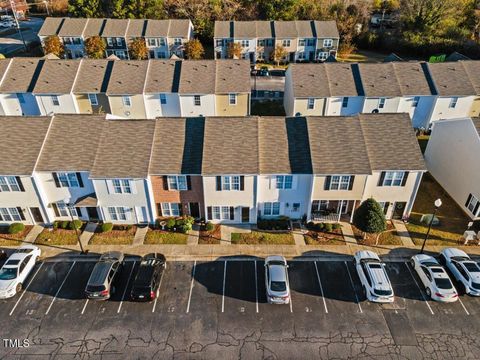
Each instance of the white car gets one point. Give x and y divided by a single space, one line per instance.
276 280
438 285
16 269
374 278
464 269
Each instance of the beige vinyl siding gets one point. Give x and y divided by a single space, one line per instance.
135 111
475 110
356 193
223 108
85 107
293 44
301 106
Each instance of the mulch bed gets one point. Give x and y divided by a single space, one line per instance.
335 237
389 237
211 237
57 237
114 237
13 239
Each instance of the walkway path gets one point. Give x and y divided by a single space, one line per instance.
403 233
227 230
348 233
298 237
32 235
193 235
88 233
140 235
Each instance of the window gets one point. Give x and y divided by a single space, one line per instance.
225 212
163 99
68 180
170 209
311 103
177 41
21 98
301 56
127 101
196 100
118 213
322 56
415 101
77 41
393 178
340 182
261 55
110 42
162 55
177 182
161 42
230 183
286 43
152 42
216 212
55 101
245 43
284 182
381 103
9 183
62 209
121 186
67 40
453 103
472 204
295 207
301 42
119 41
232 99
261 42
93 99
311 42
271 208
345 102
10 214
328 43
219 42
121 54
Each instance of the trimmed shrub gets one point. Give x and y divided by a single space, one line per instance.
209 226
128 227
328 227
310 225
15 228
273 224
75 224
185 224
171 223
337 226
319 227
106 227
64 224
55 225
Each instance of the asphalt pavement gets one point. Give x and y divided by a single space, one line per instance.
11 43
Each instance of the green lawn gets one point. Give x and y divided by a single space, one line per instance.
453 221
57 237
163 237
263 238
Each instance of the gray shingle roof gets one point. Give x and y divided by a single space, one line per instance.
451 79
285 29
127 77
21 75
157 28
337 146
124 149
3 67
327 29
178 146
81 132
161 75
56 77
115 28
94 27
230 146
397 151
305 28
72 27
412 77
197 77
379 80
50 26
476 123
136 28
92 76
245 29
21 148
179 28
265 29
473 70
232 76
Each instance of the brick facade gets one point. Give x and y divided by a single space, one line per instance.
195 195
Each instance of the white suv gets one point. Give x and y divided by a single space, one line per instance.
374 278
464 269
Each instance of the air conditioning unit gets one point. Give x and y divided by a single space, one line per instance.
375 111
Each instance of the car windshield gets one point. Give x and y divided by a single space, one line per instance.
95 288
382 292
278 286
8 273
437 270
444 284
471 267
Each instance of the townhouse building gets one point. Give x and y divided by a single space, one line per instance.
304 40
135 171
163 38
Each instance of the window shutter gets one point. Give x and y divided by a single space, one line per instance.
55 209
242 183
468 199
476 209
20 184
405 177
165 182
79 211
55 178
79 178
209 213
218 183
385 209
180 209
382 177
1 218
326 184
352 179
20 211
232 213
189 182
159 209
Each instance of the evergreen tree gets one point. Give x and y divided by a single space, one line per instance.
369 218
85 8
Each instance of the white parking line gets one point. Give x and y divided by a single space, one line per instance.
419 289
126 287
60 288
353 287
84 306
223 292
464 308
290 302
159 287
191 285
25 290
321 288
256 287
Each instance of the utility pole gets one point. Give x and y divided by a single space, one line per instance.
14 11
46 6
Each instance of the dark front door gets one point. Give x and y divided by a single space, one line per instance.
245 214
37 215
194 210
252 57
292 57
92 213
398 210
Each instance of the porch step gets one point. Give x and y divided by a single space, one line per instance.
32 235
87 233
140 235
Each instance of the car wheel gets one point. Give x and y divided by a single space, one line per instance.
428 291
18 288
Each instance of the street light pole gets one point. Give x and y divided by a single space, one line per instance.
14 11
438 203
46 6
75 227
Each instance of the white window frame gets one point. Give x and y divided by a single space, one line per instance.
109 41
322 55
127 100
55 100
170 209
197 100
310 103
163 98
286 42
283 182
302 42
301 55
271 208
245 43
472 204
327 43
393 178
9 183
93 99
231 183
453 102
177 182
152 42
415 101
381 103
345 100
68 180
119 41
122 186
340 182
10 214
118 213
177 41
232 97
216 213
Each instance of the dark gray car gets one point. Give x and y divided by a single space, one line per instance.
100 284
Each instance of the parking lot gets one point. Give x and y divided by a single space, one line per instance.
213 309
